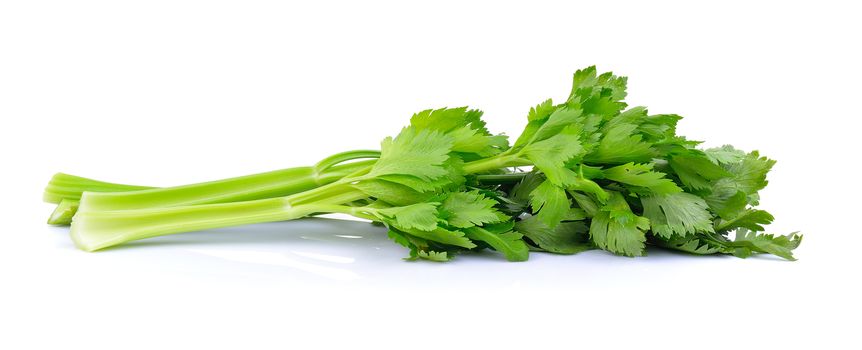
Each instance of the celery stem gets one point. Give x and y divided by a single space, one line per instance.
101 229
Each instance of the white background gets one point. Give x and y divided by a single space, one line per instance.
171 92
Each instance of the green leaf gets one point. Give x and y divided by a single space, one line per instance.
611 235
642 175
421 216
550 202
589 206
527 135
465 127
473 117
541 111
598 94
442 120
584 185
634 116
552 154
696 170
690 244
616 229
749 175
778 245
452 180
403 240
434 256
618 208
564 238
444 236
744 245
582 83
469 140
575 214
413 182
467 209
559 120
418 154
730 195
621 145
653 128
392 193
521 191
659 127
542 129
518 198
681 214
724 155
751 219
508 242
727 203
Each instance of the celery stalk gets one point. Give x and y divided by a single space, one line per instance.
94 230
69 187
66 189
266 185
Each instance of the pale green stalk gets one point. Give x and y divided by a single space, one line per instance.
66 189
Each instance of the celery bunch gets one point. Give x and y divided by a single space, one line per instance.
586 173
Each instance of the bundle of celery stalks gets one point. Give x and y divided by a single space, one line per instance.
587 173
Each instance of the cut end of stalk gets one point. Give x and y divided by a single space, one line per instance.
89 240
94 231
82 243
79 236
63 213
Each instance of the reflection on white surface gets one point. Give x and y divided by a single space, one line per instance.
328 253
276 259
326 257
348 236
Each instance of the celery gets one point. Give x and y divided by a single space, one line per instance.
604 176
66 189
